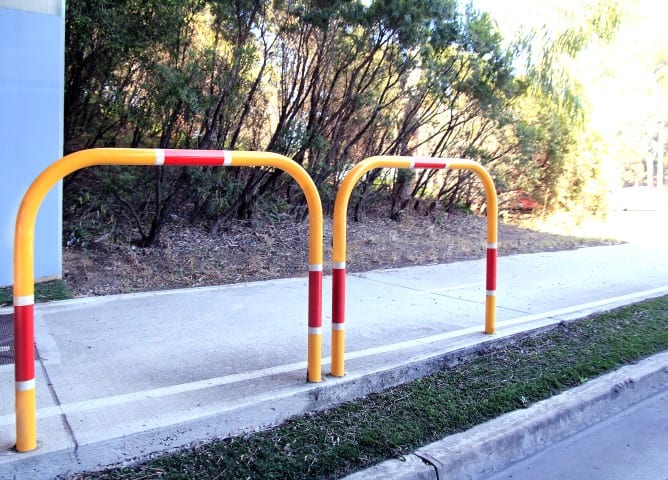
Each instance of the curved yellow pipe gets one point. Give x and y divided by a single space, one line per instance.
27 213
343 198
340 227
24 239
296 171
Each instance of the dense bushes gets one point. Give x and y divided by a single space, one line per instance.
325 83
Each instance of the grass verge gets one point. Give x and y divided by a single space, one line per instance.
44 292
395 422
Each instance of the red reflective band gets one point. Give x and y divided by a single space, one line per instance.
209 158
24 343
338 295
430 163
315 299
491 269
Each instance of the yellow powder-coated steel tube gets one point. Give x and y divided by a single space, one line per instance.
26 421
25 220
267 159
343 197
339 239
490 314
338 353
26 424
490 194
492 232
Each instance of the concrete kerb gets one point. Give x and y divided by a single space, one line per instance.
495 445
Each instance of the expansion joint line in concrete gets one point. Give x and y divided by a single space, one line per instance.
433 461
418 290
56 399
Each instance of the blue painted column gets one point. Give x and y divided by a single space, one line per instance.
32 59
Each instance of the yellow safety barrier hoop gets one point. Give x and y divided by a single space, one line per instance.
24 240
339 240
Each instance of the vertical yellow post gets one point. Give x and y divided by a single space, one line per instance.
339 252
314 355
24 281
492 235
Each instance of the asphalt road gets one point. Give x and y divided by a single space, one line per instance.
631 445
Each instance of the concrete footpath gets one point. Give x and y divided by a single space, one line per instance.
124 377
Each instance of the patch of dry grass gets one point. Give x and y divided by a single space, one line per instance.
188 256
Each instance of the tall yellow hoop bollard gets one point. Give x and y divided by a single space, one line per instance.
24 240
339 240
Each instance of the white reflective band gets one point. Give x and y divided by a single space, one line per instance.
227 158
412 164
491 245
338 326
24 300
339 265
159 156
491 293
316 267
25 386
314 330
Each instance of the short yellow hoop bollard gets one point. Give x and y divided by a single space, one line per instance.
339 240
24 282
